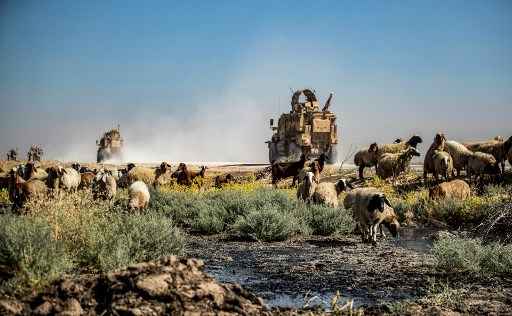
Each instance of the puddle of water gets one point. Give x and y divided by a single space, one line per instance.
297 301
415 239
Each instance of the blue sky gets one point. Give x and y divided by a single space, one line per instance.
199 80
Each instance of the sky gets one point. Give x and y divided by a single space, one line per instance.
199 80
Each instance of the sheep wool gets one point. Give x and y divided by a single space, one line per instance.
443 164
455 189
139 195
459 153
144 174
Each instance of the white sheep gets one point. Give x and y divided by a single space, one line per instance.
327 193
67 178
371 208
391 165
139 195
306 187
443 164
482 163
496 147
459 153
105 185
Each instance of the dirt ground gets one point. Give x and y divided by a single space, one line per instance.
308 272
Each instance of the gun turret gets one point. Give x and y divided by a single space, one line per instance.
328 102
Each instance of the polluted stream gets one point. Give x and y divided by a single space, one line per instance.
308 272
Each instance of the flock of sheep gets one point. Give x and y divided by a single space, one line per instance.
370 207
30 181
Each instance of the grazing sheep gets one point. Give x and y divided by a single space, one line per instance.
21 191
370 157
327 193
307 186
428 164
496 147
455 189
86 180
33 171
66 178
399 147
139 195
459 153
162 174
186 177
366 158
391 165
283 170
480 164
105 186
144 174
222 179
76 166
371 208
443 164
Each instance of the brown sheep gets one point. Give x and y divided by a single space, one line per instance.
496 147
510 156
86 180
428 164
455 189
222 179
186 177
21 191
283 170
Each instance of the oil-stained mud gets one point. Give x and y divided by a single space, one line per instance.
311 270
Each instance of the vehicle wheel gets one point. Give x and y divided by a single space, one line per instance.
272 152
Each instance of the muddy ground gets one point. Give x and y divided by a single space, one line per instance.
309 272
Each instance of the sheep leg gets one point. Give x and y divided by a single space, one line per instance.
361 172
382 232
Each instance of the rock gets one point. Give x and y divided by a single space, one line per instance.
155 285
71 308
10 307
169 286
44 309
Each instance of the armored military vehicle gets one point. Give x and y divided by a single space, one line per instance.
306 129
110 146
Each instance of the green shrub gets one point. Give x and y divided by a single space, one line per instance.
121 240
267 225
211 220
328 221
27 246
471 255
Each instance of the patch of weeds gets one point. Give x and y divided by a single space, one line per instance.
28 248
269 224
471 255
